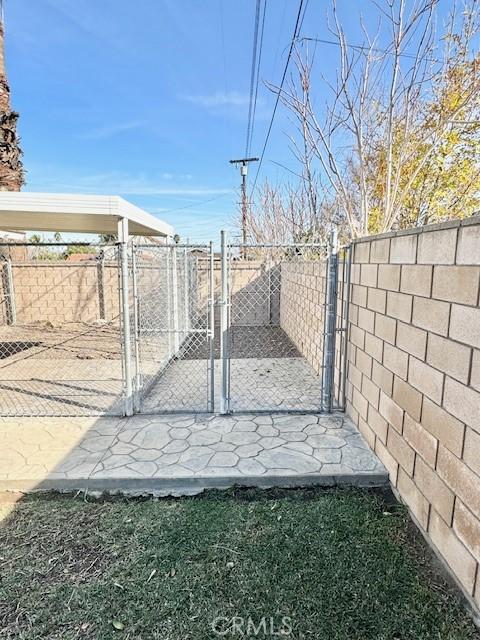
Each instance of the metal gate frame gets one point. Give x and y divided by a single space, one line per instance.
334 336
333 326
175 331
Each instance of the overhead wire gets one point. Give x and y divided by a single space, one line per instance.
252 73
259 62
298 22
359 47
303 17
196 204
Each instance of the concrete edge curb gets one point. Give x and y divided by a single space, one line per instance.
191 486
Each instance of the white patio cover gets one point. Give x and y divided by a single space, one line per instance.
67 212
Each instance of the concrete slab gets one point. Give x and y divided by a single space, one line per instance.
76 370
256 384
179 455
69 370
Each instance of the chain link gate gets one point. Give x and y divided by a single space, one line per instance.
61 348
283 327
173 327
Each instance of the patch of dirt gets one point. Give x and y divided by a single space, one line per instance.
57 552
73 340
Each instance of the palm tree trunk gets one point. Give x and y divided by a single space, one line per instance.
11 167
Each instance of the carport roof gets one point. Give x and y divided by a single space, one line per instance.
29 211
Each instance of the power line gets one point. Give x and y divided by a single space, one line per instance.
303 17
359 47
259 61
195 204
294 37
252 73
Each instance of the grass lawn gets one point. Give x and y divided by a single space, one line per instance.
335 565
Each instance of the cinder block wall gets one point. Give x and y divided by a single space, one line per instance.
414 378
254 290
62 293
302 313
302 300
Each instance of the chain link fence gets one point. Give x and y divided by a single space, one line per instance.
110 329
173 327
276 327
60 345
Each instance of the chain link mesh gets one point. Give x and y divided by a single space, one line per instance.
60 349
173 338
276 327
61 345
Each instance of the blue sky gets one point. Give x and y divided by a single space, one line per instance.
149 99
145 99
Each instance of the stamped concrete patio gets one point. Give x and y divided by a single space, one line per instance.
183 454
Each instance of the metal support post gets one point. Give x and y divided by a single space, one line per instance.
120 314
136 331
11 308
269 276
176 335
346 315
211 332
169 304
186 292
330 324
224 355
125 313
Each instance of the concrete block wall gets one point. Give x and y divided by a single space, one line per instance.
302 302
255 293
302 309
414 378
62 293
254 290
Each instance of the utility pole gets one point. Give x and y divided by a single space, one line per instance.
243 162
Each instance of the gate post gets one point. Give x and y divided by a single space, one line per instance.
346 314
11 307
176 333
186 292
169 307
224 355
125 314
330 324
136 330
211 330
